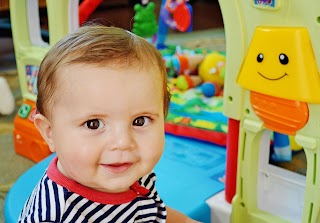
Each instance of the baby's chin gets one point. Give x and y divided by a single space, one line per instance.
113 184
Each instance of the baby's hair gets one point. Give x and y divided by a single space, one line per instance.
99 46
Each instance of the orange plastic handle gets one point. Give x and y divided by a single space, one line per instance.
278 114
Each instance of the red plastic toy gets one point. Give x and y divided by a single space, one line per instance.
86 8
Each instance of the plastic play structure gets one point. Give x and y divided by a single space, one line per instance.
272 83
29 50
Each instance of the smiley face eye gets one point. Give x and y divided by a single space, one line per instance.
260 57
283 59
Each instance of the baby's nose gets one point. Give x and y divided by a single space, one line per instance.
122 139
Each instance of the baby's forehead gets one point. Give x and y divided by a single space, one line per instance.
149 66
67 75
96 79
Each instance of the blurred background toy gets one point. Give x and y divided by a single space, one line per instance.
210 89
185 82
212 71
212 68
7 102
281 148
86 8
186 63
176 15
169 65
294 145
144 21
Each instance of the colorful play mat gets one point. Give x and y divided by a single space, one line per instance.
193 115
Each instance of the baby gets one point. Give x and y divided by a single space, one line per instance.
102 101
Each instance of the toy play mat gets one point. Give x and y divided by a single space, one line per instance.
193 115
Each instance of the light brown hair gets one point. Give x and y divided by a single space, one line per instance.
96 45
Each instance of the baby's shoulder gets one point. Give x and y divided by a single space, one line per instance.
148 180
45 201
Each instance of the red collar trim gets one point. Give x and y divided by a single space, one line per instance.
97 196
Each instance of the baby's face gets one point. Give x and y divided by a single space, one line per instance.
108 126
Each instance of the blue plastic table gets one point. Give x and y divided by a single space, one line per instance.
187 175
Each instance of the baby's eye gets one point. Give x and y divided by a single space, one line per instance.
94 124
141 121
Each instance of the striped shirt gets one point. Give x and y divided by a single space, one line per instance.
59 199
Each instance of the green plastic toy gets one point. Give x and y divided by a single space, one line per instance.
145 23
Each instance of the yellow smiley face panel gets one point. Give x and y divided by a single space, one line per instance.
281 63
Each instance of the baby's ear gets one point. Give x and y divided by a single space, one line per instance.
44 127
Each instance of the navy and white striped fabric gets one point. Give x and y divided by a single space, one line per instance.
52 202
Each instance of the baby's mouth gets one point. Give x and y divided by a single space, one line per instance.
117 168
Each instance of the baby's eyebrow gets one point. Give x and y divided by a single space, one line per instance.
88 116
146 112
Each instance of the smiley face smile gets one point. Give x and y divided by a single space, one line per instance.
273 79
